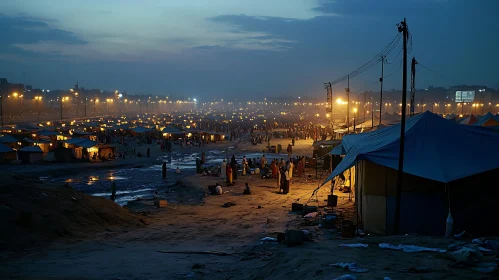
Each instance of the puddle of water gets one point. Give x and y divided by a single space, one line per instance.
141 182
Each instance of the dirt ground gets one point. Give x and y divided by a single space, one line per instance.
201 223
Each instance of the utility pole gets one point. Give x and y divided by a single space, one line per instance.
356 110
1 107
61 107
413 84
402 27
372 112
383 58
329 99
348 104
365 103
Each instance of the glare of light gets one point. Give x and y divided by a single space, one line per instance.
355 110
15 94
120 95
195 100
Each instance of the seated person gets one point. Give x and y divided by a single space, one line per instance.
219 190
247 189
215 189
177 171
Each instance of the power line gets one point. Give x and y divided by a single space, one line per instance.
395 57
395 72
374 61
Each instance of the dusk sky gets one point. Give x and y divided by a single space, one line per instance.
250 48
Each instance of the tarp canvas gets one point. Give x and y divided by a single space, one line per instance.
433 149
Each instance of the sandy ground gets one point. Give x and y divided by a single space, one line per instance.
203 224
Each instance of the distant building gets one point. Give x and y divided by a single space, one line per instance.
471 94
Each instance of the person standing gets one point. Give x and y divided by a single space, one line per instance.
282 176
163 169
278 177
273 167
229 174
286 183
263 161
291 167
234 169
113 191
300 167
223 170
289 150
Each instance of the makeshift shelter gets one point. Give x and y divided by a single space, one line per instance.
44 145
26 127
487 120
338 151
471 119
30 154
8 139
6 153
439 174
47 133
140 129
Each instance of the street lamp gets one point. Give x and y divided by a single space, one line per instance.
107 104
354 118
63 99
38 99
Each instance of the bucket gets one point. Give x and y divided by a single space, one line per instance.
329 220
347 229
296 207
294 237
332 200
309 209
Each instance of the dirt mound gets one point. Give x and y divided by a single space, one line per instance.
32 213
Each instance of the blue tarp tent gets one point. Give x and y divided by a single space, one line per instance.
487 120
74 141
7 139
435 148
171 130
140 129
338 151
47 133
5 148
444 163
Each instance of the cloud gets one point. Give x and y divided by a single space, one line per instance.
19 33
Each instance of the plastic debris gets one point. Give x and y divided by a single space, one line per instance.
311 215
478 241
485 267
492 244
352 266
410 248
346 277
462 234
355 245
271 239
466 255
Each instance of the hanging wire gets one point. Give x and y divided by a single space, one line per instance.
373 62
